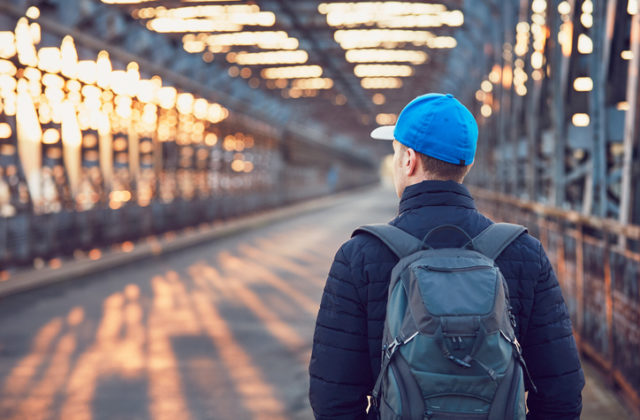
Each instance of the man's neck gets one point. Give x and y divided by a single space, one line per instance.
428 176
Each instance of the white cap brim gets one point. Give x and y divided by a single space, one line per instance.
383 133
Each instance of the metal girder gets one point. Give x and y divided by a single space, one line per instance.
347 81
140 42
631 125
559 118
603 34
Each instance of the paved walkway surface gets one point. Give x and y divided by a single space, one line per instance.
221 330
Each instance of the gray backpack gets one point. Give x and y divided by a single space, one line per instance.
449 348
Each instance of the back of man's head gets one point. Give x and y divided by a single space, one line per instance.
436 169
441 131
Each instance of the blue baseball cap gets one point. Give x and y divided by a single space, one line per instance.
435 125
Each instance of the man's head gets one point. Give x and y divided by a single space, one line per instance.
434 139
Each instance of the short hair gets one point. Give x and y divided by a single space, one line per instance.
441 169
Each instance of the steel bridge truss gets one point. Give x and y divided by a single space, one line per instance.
559 105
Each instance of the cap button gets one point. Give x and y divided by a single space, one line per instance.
448 95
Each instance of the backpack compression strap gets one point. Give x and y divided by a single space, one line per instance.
398 241
494 239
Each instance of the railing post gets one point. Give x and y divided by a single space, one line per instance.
608 293
579 281
543 229
561 269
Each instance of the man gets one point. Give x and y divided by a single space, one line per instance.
434 143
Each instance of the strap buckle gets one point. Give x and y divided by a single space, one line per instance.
520 358
391 348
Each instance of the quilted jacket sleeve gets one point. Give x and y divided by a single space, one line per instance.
550 352
340 371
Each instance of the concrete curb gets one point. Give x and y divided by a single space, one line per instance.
73 269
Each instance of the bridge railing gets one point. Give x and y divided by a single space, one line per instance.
599 272
30 239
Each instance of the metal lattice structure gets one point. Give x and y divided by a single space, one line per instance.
550 78
560 115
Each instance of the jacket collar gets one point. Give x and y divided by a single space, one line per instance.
435 193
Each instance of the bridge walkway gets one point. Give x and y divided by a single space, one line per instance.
220 330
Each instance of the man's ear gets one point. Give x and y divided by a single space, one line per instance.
412 162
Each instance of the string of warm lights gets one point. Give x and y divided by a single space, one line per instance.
313 83
381 82
383 56
83 126
521 48
211 29
383 70
386 118
382 7
585 46
292 72
237 12
378 32
390 14
272 40
372 17
534 35
565 34
530 39
270 57
129 1
370 32
204 18
539 32
390 38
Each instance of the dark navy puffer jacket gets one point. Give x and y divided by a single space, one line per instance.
347 344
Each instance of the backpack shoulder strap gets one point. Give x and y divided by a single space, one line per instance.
494 239
396 239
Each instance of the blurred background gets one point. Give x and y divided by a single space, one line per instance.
126 126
